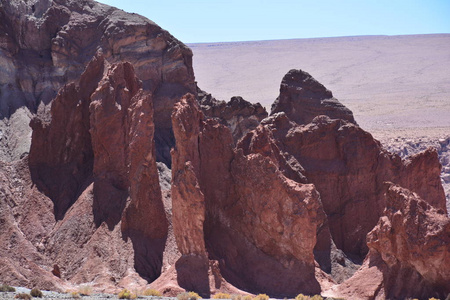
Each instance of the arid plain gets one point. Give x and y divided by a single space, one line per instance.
395 85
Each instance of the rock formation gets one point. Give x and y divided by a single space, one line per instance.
282 205
409 252
405 147
348 168
96 160
239 115
222 218
46 44
302 98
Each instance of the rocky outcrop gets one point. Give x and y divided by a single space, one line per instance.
409 252
214 189
25 219
293 201
101 176
406 147
46 44
302 98
239 115
348 168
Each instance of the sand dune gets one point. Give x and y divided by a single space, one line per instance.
395 85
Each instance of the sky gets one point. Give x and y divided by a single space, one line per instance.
200 21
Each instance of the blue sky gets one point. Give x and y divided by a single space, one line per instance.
246 20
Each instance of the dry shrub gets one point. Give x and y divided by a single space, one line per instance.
261 297
152 292
222 296
7 288
85 290
35 292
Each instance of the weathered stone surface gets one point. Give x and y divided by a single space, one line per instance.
90 208
413 236
239 115
348 168
235 203
303 98
405 147
61 156
409 252
46 44
26 217
113 210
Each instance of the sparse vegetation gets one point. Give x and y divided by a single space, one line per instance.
304 297
247 297
35 292
261 297
222 296
84 290
23 296
124 294
75 295
188 296
152 292
7 288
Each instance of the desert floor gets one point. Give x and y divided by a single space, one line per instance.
395 85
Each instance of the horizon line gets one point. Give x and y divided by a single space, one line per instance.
321 37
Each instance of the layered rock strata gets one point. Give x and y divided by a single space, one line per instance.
46 44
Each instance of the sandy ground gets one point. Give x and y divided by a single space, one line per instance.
395 85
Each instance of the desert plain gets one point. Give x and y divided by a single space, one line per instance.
395 85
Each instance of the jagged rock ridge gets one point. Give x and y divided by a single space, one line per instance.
101 175
214 185
297 194
239 115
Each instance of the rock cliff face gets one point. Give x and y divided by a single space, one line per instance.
214 186
409 252
405 147
102 176
302 98
46 44
348 168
